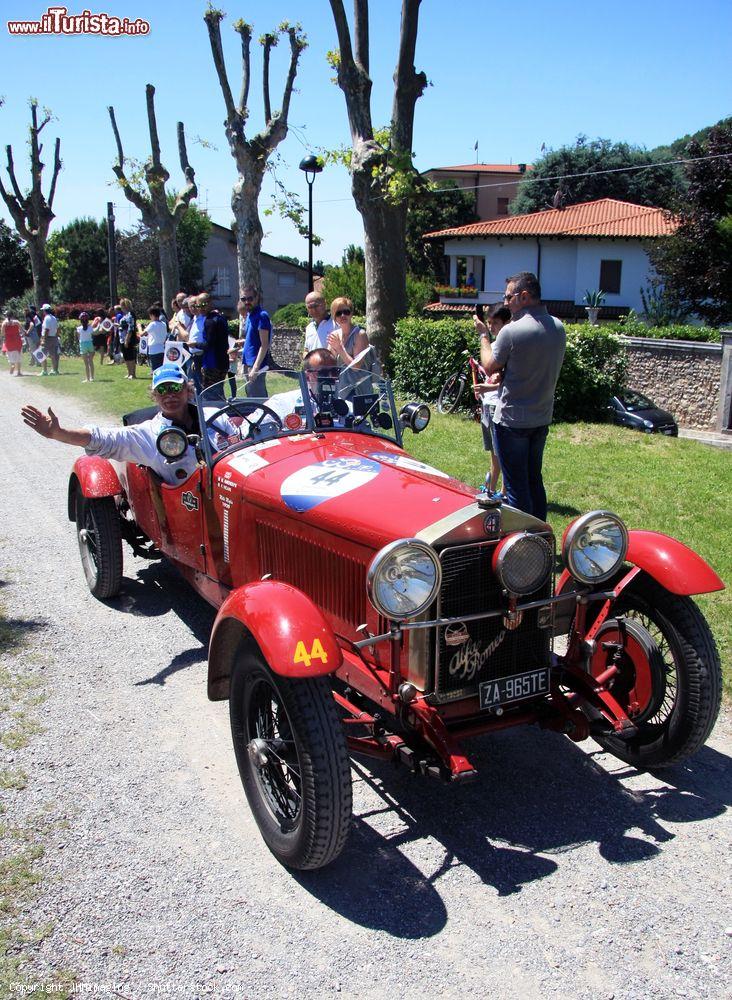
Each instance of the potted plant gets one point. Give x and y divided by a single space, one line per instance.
593 301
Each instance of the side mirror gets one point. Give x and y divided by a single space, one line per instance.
415 416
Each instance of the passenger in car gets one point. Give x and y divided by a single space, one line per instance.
317 365
173 396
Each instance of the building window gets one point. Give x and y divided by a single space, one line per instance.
502 206
222 283
285 279
610 271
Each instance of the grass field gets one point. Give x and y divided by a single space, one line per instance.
676 486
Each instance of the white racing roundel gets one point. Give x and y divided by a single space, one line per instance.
333 477
404 462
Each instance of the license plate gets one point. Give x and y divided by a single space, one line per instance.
515 688
668 430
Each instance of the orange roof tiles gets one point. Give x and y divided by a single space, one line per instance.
604 217
483 168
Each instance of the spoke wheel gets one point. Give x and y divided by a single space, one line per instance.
670 681
292 759
451 392
100 545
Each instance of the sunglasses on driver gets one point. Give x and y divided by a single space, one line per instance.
170 387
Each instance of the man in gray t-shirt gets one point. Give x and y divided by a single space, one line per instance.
530 350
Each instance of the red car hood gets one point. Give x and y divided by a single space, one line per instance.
363 488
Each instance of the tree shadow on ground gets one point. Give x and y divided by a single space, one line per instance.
13 631
537 794
563 509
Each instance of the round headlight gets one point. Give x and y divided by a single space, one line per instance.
403 579
172 443
523 563
595 546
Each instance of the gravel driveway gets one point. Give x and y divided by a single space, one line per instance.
560 872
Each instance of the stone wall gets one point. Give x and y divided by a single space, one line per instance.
287 347
682 377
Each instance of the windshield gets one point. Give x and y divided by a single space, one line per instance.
632 400
328 400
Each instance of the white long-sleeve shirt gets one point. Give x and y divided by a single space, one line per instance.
138 444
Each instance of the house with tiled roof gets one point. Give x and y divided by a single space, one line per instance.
599 244
493 185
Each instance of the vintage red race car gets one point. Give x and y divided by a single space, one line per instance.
371 604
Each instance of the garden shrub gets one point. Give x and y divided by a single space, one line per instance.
593 371
294 315
426 351
633 326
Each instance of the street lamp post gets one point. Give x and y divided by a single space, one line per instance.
311 166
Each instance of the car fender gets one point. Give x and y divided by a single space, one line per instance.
671 563
293 635
94 478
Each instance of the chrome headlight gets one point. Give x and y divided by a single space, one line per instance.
523 563
172 443
594 546
403 579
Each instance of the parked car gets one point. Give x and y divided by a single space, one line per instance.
371 604
633 409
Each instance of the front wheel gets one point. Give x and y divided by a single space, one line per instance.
100 545
292 759
452 390
670 679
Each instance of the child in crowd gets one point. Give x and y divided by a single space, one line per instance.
85 332
156 333
488 393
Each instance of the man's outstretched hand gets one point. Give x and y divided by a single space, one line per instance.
44 425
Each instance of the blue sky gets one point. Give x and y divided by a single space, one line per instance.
643 72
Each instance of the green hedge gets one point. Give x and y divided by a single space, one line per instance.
631 326
425 352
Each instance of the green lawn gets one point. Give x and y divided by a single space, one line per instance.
679 487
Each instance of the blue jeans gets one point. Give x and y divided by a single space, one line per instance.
258 386
520 451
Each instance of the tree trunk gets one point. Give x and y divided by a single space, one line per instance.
168 250
41 271
249 233
386 271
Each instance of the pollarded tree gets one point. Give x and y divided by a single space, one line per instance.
160 218
32 212
380 163
251 155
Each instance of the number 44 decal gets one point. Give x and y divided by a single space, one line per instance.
316 653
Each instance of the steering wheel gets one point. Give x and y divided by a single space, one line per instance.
245 408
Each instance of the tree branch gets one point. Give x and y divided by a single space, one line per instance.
244 31
267 42
131 194
153 126
15 211
297 44
213 20
353 79
56 170
361 31
11 174
190 191
408 84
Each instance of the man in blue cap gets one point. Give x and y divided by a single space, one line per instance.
173 396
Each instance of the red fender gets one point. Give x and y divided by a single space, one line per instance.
95 477
671 563
294 637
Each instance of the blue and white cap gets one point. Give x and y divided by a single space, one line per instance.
168 373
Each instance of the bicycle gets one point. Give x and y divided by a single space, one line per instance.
454 387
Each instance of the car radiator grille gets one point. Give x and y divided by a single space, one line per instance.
331 578
469 587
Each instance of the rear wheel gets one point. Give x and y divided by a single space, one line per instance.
292 759
451 392
670 679
100 545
